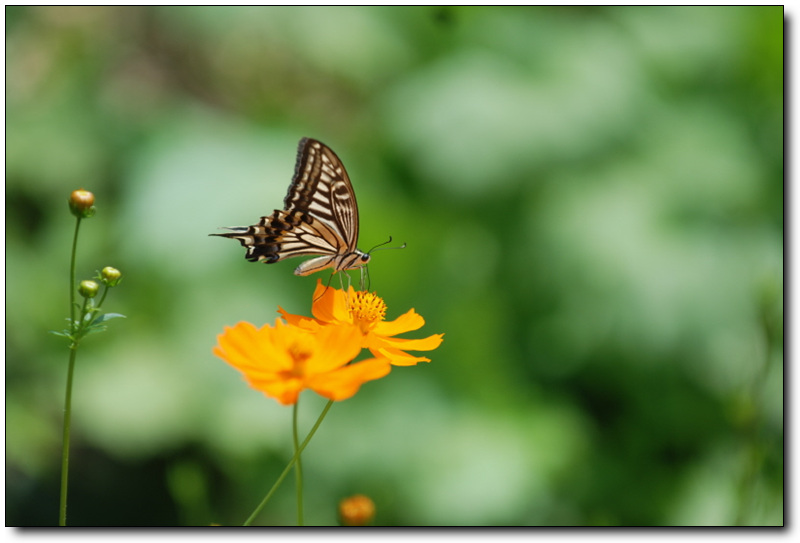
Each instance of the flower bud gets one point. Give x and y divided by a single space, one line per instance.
81 203
88 288
110 276
356 510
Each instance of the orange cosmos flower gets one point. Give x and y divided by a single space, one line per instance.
365 311
283 360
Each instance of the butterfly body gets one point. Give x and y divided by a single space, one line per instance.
320 217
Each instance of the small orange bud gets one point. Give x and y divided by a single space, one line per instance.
81 203
88 288
356 510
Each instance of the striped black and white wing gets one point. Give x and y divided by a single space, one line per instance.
320 217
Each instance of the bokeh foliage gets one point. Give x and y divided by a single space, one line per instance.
592 200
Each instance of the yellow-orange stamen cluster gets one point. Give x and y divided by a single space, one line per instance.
367 309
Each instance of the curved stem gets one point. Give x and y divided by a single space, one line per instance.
102 298
298 466
291 463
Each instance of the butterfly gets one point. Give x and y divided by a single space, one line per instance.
320 217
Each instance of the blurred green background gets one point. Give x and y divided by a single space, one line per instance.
592 200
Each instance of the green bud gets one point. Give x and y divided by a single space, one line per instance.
81 203
88 288
111 276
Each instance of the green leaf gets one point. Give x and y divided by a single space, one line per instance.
107 317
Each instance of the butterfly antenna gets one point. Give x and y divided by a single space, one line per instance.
365 278
379 247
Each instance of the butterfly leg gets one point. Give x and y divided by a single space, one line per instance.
365 282
328 284
341 281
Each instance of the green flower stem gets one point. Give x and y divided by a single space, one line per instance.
62 510
73 348
299 465
72 274
87 306
82 323
103 297
289 465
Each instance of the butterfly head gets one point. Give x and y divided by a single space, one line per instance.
356 259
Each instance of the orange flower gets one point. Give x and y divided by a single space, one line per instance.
365 311
283 360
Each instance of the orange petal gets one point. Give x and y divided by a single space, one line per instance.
240 346
289 317
425 344
298 320
397 357
337 344
286 391
404 323
329 305
343 383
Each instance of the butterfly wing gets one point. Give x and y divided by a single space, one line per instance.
320 217
321 189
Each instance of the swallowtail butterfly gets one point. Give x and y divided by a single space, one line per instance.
320 217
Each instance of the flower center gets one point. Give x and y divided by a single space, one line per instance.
367 310
300 352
